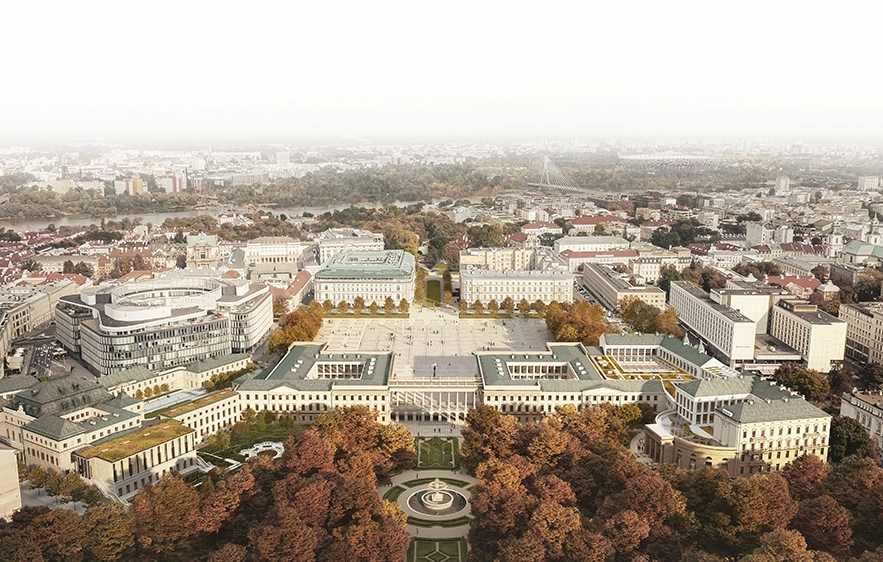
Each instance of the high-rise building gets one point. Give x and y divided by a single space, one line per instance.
783 183
132 186
866 183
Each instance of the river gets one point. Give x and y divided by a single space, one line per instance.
157 219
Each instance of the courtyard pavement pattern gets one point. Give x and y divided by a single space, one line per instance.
434 336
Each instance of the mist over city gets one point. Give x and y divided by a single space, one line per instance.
441 282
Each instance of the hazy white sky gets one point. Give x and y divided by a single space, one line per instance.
440 70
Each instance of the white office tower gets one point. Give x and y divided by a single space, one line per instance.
867 183
783 183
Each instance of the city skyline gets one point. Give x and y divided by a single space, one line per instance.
462 71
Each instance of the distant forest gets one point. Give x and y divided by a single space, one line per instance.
414 183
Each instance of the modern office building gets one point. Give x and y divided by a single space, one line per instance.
614 288
868 183
374 276
547 286
162 323
727 333
819 337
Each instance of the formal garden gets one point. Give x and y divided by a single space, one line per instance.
253 429
437 550
441 453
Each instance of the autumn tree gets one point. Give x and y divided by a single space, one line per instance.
809 383
110 531
493 306
805 476
487 433
451 254
848 437
523 306
389 306
358 305
824 524
581 321
478 307
60 534
404 306
342 307
872 376
327 306
373 308
166 515
647 319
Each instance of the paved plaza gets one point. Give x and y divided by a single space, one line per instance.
434 336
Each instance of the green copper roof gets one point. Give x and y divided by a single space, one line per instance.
296 370
389 264
776 410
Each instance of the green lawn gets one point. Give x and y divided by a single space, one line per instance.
273 432
437 453
485 315
445 524
437 550
434 295
422 481
393 493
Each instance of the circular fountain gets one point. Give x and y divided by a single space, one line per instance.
437 499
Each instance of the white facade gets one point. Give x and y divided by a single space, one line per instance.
614 288
338 240
867 409
277 251
591 243
496 259
729 332
866 183
864 331
547 286
374 276
819 337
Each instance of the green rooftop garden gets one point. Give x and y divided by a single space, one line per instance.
175 411
136 442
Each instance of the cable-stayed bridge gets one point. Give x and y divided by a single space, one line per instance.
554 178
